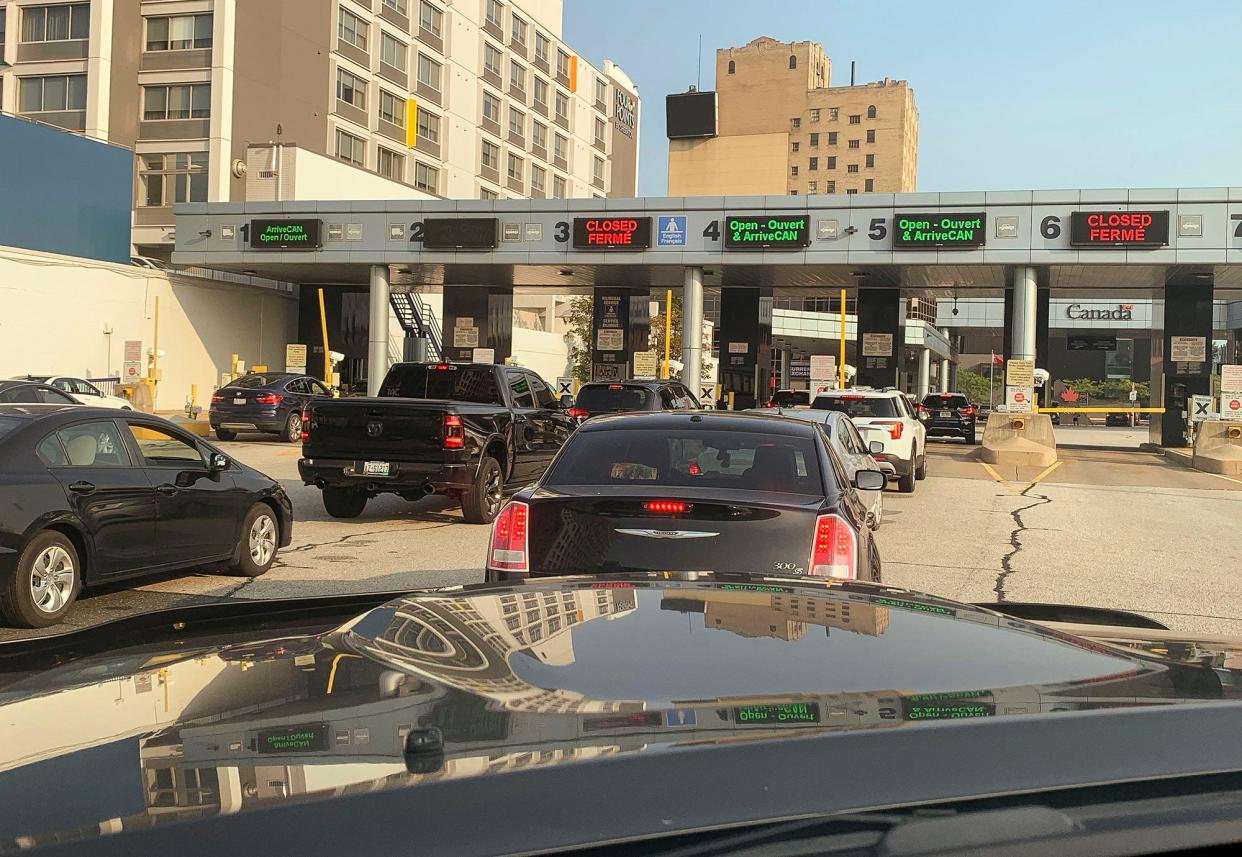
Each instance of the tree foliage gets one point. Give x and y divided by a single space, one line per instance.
581 318
973 386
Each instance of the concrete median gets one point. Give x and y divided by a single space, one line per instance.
1019 439
1218 448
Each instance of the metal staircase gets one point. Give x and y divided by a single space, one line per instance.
417 318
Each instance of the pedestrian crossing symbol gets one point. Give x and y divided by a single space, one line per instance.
672 231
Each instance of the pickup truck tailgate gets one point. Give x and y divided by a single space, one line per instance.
391 429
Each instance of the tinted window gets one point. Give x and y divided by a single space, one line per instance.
543 396
159 448
946 400
317 388
858 407
519 391
49 396
34 394
297 385
251 382
63 384
85 389
737 460
50 451
610 398
94 445
455 383
788 398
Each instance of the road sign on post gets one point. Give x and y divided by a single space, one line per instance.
823 371
1231 407
1020 373
1231 393
1201 409
1019 400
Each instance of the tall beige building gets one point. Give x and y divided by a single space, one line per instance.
782 128
455 98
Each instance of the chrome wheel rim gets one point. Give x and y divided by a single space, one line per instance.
51 579
494 492
262 540
294 428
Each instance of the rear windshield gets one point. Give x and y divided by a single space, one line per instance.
606 398
860 407
443 381
787 398
743 461
948 400
251 382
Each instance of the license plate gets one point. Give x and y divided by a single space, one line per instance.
376 468
946 414
239 401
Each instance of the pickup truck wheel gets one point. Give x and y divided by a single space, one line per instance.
482 502
344 502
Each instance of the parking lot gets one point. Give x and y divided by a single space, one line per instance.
1116 528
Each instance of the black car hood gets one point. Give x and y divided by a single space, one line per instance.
548 672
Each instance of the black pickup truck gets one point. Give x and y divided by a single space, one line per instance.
462 429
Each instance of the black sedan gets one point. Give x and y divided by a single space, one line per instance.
30 392
92 495
679 492
264 401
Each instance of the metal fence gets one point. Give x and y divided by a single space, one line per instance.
107 386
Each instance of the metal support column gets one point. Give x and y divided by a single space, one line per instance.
692 329
377 330
1025 314
924 383
944 376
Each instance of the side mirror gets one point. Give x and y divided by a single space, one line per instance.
219 461
869 480
875 447
567 401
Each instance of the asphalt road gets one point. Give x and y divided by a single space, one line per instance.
1124 529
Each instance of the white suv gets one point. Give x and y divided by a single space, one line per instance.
906 445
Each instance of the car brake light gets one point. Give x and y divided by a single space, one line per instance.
968 411
268 399
216 397
835 551
852 396
442 367
666 507
578 413
616 386
454 432
894 428
306 424
507 550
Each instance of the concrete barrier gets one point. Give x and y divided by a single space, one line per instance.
1020 439
1218 448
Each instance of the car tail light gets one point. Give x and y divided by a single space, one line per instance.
443 367
835 551
920 409
578 413
306 424
852 396
268 399
216 398
507 550
454 432
893 427
968 411
666 507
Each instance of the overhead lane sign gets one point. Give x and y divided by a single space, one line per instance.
1112 229
942 230
767 232
612 233
672 231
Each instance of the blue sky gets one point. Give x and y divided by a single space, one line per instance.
1013 95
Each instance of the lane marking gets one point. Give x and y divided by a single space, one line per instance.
1051 467
1000 480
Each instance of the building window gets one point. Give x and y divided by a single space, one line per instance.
832 138
871 111
517 76
351 89
56 23
830 187
855 119
796 145
851 168
48 94
538 178
601 91
490 155
562 64
869 185
871 135
517 29
352 29
558 187
793 61
398 6
390 165
597 171
795 123
542 46
814 164
561 148
814 140
179 101
426 177
541 91
392 109
495 12
601 128
562 106
491 107
793 192
430 19
851 190
539 135
853 144
832 162
812 187
814 114
793 171
516 167
834 113
517 122
491 59
428 127
393 52
732 67
178 32
870 161
167 179
351 149
488 193
428 72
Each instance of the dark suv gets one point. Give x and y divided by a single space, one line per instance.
600 398
949 414
267 401
790 399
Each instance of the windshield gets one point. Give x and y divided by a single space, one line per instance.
445 381
857 406
605 398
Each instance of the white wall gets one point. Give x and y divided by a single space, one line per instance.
320 177
546 353
54 310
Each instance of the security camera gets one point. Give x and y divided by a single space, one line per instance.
955 310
